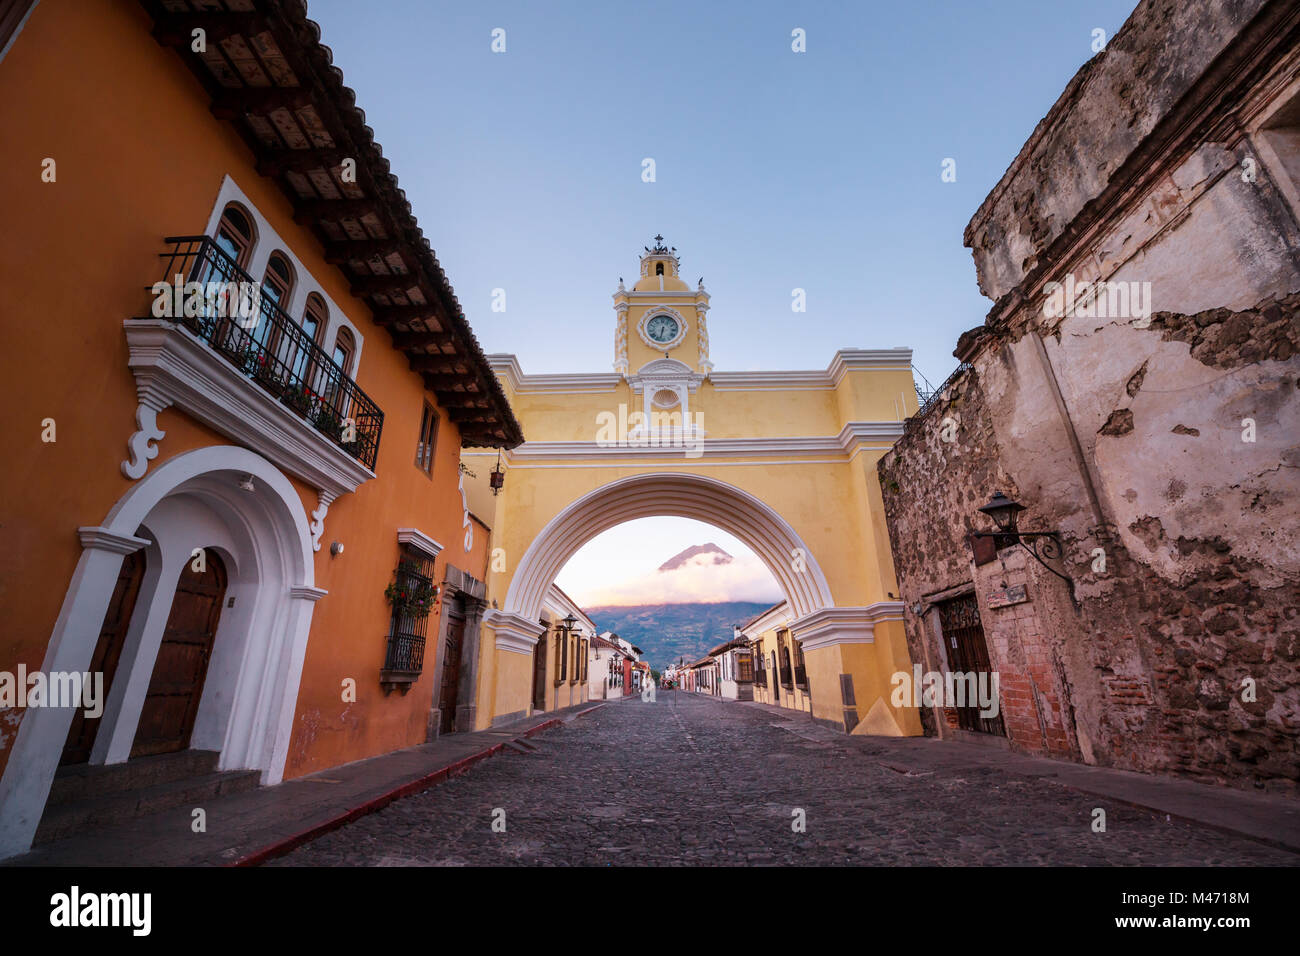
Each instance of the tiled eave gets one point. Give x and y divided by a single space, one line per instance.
268 74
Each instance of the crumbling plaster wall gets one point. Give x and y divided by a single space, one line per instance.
1112 105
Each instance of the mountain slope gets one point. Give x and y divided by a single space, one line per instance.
665 632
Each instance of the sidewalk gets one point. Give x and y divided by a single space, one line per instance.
1271 819
249 828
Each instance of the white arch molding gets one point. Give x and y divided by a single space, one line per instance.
249 699
677 495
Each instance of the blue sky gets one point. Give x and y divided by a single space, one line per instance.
775 170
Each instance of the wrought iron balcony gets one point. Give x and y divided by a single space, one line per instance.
264 344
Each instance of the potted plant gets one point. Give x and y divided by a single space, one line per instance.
411 594
300 398
266 373
328 422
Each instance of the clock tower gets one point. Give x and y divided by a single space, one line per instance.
661 321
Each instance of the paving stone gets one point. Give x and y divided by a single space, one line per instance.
703 771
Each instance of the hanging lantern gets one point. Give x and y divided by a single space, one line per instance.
497 478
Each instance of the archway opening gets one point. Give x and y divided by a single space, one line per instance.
724 655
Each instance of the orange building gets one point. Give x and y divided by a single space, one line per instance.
238 499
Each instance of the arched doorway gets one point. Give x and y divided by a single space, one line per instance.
241 704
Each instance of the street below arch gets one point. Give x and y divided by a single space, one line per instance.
691 780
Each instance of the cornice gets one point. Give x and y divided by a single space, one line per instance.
416 538
506 365
852 436
101 539
513 632
829 626
845 361
769 619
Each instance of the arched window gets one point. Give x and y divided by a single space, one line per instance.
659 268
345 347
314 319
235 235
278 281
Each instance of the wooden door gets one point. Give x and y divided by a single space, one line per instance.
963 637
451 648
108 650
539 673
176 687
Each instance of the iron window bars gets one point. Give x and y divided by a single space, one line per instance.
406 631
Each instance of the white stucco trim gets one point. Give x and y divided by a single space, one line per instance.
418 539
843 625
682 328
268 241
514 633
852 438
671 494
507 366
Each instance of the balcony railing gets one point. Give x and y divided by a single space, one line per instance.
264 344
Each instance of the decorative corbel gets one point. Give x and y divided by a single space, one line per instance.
326 498
143 443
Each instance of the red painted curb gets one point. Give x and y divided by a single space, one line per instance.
281 847
290 843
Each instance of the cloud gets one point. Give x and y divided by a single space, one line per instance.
621 567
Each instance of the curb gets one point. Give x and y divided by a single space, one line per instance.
291 843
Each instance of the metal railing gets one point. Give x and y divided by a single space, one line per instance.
927 398
259 339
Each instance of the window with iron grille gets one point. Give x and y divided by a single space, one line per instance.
800 673
411 597
787 676
744 666
760 672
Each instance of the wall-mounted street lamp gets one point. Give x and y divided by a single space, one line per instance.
497 477
1040 544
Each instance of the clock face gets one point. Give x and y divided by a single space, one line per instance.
662 328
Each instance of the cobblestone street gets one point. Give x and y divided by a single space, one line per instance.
688 780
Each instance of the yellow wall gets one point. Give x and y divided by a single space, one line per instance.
795 699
